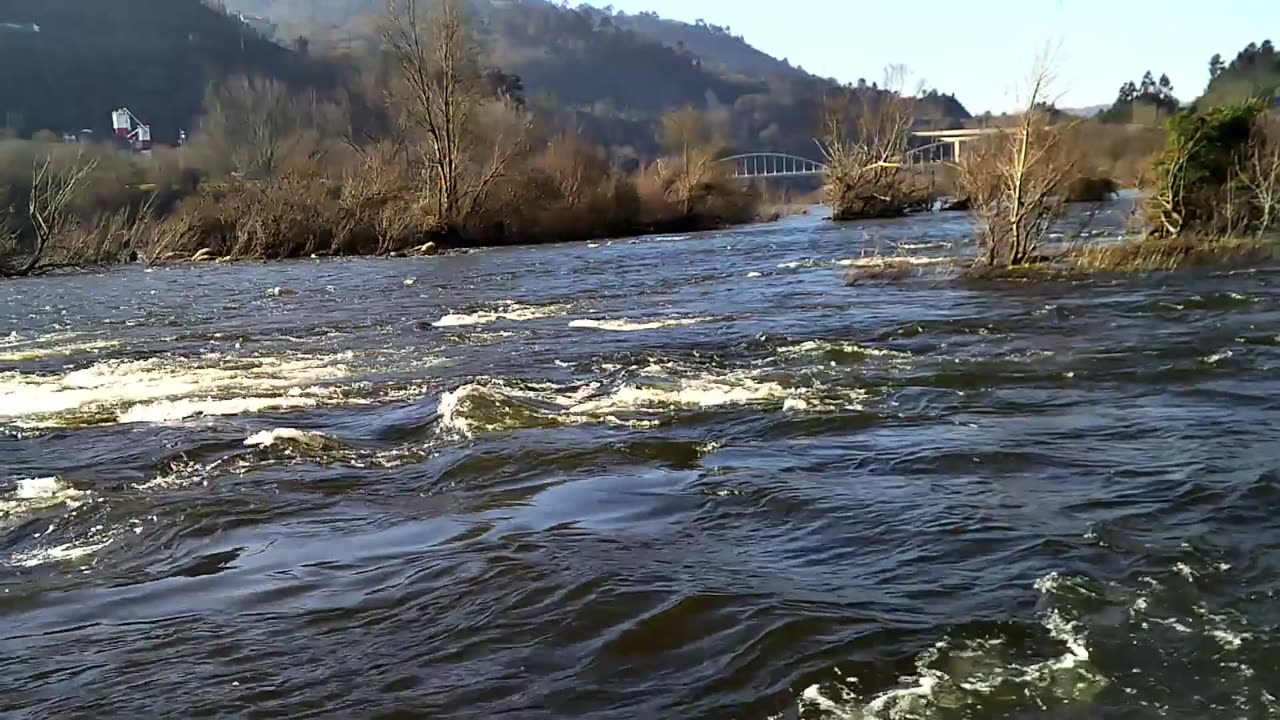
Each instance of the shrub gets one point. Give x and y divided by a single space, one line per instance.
1085 189
1016 182
1197 180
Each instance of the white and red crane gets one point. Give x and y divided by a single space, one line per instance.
139 138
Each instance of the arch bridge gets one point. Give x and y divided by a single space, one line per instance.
768 165
941 146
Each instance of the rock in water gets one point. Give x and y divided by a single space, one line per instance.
277 292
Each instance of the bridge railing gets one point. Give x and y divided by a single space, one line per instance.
945 148
763 165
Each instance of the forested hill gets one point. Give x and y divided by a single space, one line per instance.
68 63
610 75
713 43
1255 72
616 73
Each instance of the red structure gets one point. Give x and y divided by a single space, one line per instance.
122 122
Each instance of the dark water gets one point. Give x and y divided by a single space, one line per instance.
644 482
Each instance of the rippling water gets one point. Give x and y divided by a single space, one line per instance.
680 477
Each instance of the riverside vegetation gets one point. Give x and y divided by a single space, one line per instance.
427 149
1212 193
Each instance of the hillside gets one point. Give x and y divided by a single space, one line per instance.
610 75
716 45
1255 72
613 74
69 63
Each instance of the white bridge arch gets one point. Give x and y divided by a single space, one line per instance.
944 146
762 165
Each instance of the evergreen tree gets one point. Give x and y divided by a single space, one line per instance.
1148 87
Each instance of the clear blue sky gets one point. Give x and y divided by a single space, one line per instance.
982 49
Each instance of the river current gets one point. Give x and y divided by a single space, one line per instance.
670 477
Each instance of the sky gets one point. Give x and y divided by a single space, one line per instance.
983 50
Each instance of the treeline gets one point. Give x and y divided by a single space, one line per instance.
1254 73
424 148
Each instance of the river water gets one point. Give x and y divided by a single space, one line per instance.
673 477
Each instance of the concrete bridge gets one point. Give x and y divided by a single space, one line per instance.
941 146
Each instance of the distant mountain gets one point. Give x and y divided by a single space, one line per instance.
610 75
716 45
1087 111
68 63
613 74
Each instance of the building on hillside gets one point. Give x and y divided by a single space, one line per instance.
258 23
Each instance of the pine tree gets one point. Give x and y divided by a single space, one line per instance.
1216 66
1148 87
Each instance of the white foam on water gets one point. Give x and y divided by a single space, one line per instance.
275 436
34 494
623 325
754 274
798 264
167 411
924 246
1218 357
701 392
489 404
818 347
889 261
186 474
794 404
165 389
510 312
955 677
462 413
35 352
67 552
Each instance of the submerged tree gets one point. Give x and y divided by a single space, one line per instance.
866 159
1017 181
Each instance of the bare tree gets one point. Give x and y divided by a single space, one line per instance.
694 144
1259 173
258 125
441 99
50 215
1017 180
866 160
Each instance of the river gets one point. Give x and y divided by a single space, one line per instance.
670 477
